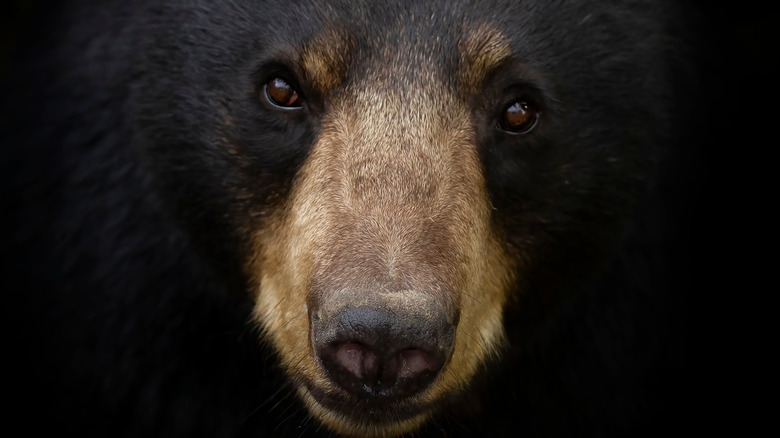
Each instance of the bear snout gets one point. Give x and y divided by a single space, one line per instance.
382 347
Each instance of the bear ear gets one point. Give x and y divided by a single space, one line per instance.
520 117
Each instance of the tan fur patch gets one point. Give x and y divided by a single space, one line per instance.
326 59
482 50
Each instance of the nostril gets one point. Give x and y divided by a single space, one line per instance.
354 358
350 357
415 362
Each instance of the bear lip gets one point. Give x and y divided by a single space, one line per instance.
377 410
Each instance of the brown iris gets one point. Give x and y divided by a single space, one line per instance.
520 117
282 94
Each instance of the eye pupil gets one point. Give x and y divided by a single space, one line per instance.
281 94
520 117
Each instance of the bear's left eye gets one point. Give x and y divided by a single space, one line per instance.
519 117
281 94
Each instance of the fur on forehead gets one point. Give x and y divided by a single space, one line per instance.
479 50
326 59
482 49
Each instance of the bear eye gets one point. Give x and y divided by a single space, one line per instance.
281 94
519 117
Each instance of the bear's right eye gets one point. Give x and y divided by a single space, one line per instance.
281 94
520 117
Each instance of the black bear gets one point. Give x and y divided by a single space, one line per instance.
294 218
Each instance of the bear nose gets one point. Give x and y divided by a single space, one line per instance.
375 352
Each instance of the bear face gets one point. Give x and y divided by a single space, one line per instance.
381 281
391 185
417 198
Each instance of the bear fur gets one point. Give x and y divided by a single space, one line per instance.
139 164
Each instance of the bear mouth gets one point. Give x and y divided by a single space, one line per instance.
375 411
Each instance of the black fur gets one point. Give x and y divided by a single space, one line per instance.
125 216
